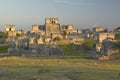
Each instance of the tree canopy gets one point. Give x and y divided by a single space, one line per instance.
117 35
117 29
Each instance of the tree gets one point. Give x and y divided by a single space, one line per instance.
106 30
117 35
117 29
2 40
64 33
91 34
3 37
3 34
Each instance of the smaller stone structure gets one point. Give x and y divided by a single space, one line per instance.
10 29
108 52
103 36
98 29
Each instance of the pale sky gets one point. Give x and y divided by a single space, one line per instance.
80 13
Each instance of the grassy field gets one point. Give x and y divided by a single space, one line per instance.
17 68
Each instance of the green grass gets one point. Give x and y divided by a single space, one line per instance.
3 49
69 50
17 68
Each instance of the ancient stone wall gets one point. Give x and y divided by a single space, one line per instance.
41 50
35 28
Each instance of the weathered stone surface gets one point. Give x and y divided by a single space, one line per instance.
37 51
40 51
55 50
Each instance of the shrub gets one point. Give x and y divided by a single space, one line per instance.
18 35
42 70
56 39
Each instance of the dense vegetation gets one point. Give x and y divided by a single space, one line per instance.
3 36
88 45
116 45
117 35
